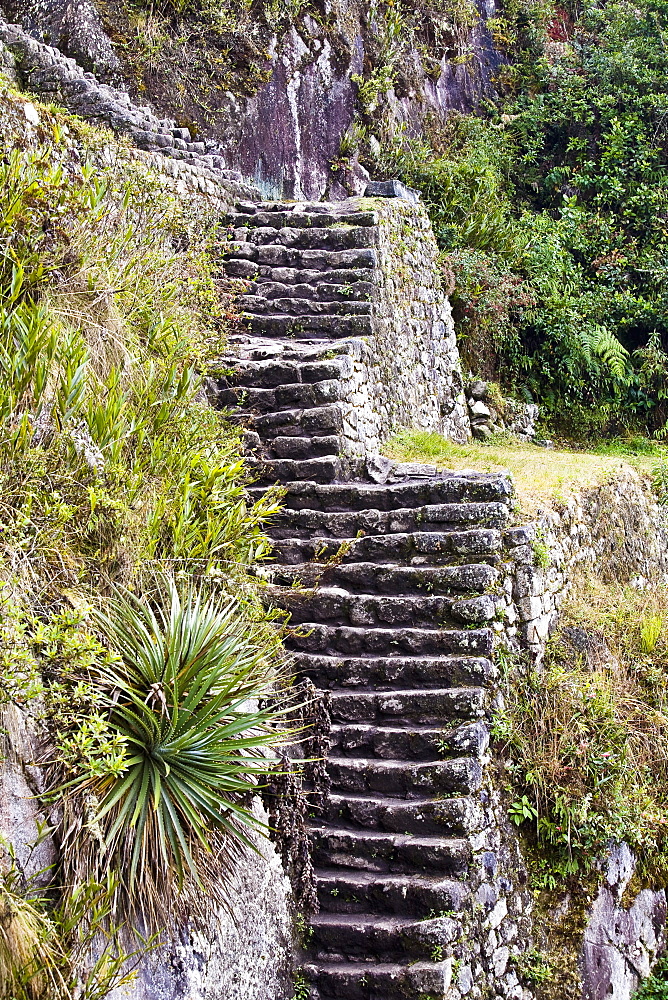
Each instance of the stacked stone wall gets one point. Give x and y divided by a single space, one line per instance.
616 532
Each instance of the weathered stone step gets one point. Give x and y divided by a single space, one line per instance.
445 817
461 776
292 446
308 326
314 421
256 305
286 397
411 895
336 606
333 239
302 220
323 291
381 981
324 260
346 276
277 373
414 548
370 850
449 488
336 639
287 470
432 705
395 671
428 519
365 577
385 938
409 742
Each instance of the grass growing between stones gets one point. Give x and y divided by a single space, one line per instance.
586 736
541 475
585 745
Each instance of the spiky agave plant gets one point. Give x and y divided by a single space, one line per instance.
188 695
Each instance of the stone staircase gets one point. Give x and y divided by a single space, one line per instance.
397 627
312 376
396 589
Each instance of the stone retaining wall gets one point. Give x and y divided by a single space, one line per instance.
415 370
616 531
407 373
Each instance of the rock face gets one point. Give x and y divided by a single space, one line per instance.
621 943
286 137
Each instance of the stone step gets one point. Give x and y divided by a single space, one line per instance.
302 220
446 489
333 239
256 305
315 277
409 742
323 291
367 577
428 519
336 606
396 671
432 705
326 326
461 776
370 850
412 548
287 470
410 895
302 447
278 373
311 422
332 640
317 260
285 397
446 817
387 938
380 981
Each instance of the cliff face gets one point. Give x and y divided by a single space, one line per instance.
280 92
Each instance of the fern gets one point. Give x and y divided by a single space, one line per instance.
598 343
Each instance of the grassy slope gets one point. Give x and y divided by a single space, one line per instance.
541 475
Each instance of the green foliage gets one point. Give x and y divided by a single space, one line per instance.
46 949
182 699
532 967
302 986
655 987
114 473
550 210
587 735
660 482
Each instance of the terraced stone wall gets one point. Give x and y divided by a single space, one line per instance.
415 368
616 531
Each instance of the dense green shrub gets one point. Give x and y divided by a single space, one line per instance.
188 724
551 209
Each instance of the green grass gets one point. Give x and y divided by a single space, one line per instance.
541 475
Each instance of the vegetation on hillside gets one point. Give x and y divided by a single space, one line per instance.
585 744
549 205
130 629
